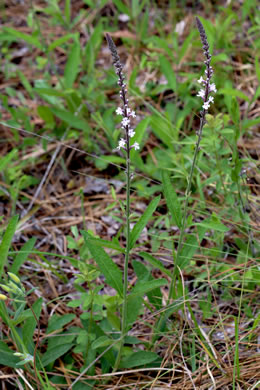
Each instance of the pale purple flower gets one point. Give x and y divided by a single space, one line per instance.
206 106
125 122
121 144
211 99
131 133
201 80
201 93
212 88
119 111
136 146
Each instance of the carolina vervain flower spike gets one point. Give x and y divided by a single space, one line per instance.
204 92
126 112
124 143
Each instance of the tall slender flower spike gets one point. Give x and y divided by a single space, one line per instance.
208 87
124 143
126 112
204 94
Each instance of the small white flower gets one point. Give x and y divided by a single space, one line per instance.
136 146
201 93
121 144
131 133
201 79
206 106
125 122
119 111
212 88
131 113
211 99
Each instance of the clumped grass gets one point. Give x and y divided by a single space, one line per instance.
97 292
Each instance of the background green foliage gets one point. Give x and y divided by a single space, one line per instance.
58 98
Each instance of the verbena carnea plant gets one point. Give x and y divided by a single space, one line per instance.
204 93
125 144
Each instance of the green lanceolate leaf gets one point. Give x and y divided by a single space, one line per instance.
30 324
139 359
70 118
190 247
168 72
6 241
109 269
139 226
72 65
7 357
55 352
22 255
171 199
30 39
155 263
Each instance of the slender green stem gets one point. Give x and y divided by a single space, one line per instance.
185 211
204 94
183 226
124 144
127 252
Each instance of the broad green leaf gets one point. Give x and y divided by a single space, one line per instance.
107 244
91 49
164 130
139 358
57 322
109 269
143 274
30 324
60 41
72 65
257 68
55 352
71 119
171 199
144 287
155 262
190 247
63 338
67 11
23 254
46 114
140 131
102 341
214 225
233 92
168 72
6 241
133 307
49 92
122 7
30 39
141 270
7 358
139 226
234 111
